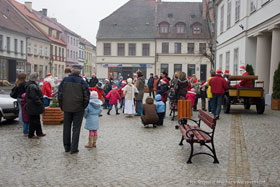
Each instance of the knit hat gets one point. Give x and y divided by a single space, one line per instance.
121 77
219 72
129 80
114 87
242 68
93 95
226 72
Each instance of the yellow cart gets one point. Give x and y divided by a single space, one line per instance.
244 96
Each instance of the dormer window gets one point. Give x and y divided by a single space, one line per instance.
164 28
180 28
196 29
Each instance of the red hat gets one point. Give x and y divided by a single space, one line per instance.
123 82
203 82
195 80
219 71
114 87
165 80
226 72
84 75
189 78
48 75
242 68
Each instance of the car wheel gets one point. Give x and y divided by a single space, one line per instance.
247 104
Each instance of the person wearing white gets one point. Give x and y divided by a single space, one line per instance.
129 94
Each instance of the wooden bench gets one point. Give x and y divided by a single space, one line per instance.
194 134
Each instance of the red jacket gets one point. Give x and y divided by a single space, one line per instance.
121 91
47 90
100 92
155 84
114 96
218 85
191 96
246 83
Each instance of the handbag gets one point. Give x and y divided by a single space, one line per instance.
14 93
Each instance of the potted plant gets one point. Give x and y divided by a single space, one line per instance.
275 101
53 114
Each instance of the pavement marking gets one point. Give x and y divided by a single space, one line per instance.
238 173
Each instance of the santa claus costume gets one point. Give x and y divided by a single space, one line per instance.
244 83
47 89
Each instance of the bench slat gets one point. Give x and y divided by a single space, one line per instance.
208 123
205 136
208 116
199 136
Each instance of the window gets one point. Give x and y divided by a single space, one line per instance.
62 71
8 45
165 48
145 49
121 50
55 51
164 28
46 52
35 68
71 40
253 5
68 39
74 41
221 62
177 48
62 53
235 61
76 55
77 43
67 53
3 72
55 70
80 54
46 70
16 45
177 68
196 29
59 52
202 48
50 32
57 35
132 49
35 49
191 70
227 60
164 68
21 46
191 48
71 54
1 42
107 49
222 20
228 14
180 28
237 10
29 50
41 50
41 69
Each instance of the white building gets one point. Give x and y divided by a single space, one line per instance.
248 33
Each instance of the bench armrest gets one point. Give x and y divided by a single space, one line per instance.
192 135
184 121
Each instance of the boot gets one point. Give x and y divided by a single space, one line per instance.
109 111
117 112
94 141
90 142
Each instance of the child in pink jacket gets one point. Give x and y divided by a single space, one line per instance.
114 96
191 96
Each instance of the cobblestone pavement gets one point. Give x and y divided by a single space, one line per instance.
127 154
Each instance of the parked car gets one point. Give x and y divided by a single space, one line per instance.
8 107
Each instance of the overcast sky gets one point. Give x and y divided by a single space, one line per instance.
81 16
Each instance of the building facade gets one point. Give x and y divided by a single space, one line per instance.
81 58
248 33
158 36
89 60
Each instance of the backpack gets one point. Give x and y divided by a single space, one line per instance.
14 92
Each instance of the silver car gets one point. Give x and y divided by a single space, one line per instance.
8 107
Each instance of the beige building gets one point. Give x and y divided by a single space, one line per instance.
89 57
159 36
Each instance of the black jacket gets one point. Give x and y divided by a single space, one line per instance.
35 101
21 89
151 82
181 88
73 94
93 82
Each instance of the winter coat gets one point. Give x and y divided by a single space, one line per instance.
149 112
92 113
245 83
93 82
160 105
140 84
114 96
35 100
191 96
151 82
174 83
120 90
129 92
163 91
181 88
218 85
107 88
209 93
73 94
47 90
155 84
21 89
25 116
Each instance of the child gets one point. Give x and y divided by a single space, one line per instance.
149 115
121 93
191 95
25 116
92 112
114 96
129 94
160 106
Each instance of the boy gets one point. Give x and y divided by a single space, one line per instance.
160 105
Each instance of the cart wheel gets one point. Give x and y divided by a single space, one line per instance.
226 106
247 104
260 105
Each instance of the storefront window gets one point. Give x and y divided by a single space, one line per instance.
41 71
3 73
191 69
164 68
177 68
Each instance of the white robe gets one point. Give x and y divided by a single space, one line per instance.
129 94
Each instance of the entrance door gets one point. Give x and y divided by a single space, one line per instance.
203 71
12 71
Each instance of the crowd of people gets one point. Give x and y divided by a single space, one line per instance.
79 98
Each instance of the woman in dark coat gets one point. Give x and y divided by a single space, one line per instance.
140 84
181 87
149 112
35 106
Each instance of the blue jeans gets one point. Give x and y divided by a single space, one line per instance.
217 101
116 107
210 105
20 112
106 104
25 128
139 111
47 102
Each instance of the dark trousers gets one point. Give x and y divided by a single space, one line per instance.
195 103
161 118
151 91
75 118
106 104
217 101
34 125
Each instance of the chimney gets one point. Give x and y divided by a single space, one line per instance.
45 12
28 5
204 9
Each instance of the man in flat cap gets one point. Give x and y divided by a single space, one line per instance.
73 96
